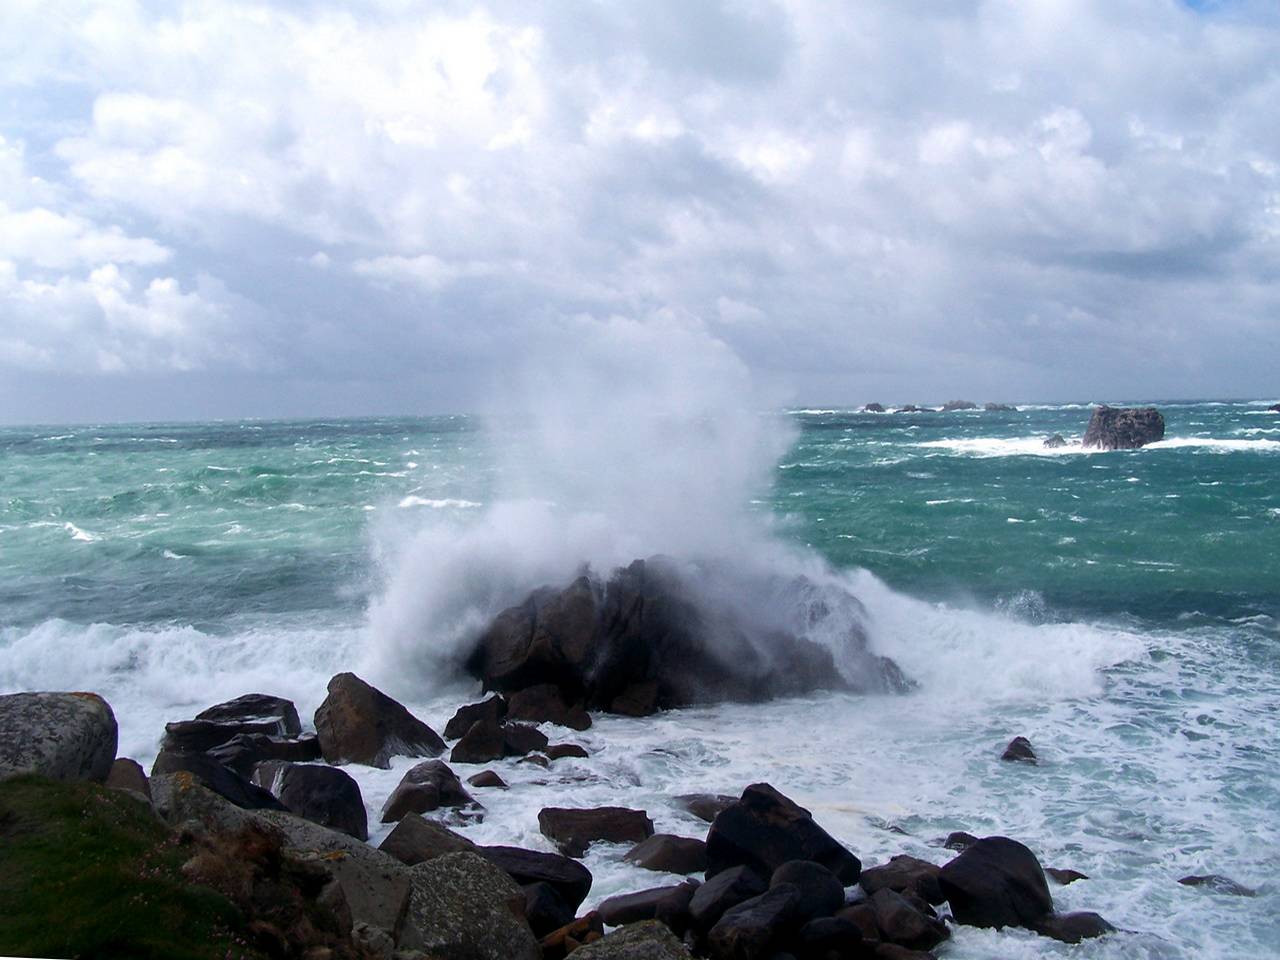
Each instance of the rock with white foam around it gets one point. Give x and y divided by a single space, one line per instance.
358 723
324 795
1124 428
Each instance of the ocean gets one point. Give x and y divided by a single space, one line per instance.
1119 609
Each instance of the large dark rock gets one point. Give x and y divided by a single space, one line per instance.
705 806
493 709
544 909
243 752
952 405
754 929
571 879
256 708
1218 884
482 743
904 874
660 634
544 703
62 736
427 786
765 829
1124 428
821 894
578 933
519 739
668 904
1073 927
415 840
873 408
1019 749
572 830
901 922
1274 408
217 778
324 795
996 882
726 889
1064 877
664 851
561 751
358 723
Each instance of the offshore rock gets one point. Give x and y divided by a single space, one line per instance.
1219 884
765 829
324 795
999 408
659 634
1073 927
1123 428
1055 441
996 882
705 806
873 408
358 723
63 736
1019 749
952 405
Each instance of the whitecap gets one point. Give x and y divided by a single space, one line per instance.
77 534
441 504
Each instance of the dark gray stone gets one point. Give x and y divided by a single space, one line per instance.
1123 428
243 752
217 778
901 922
571 879
415 840
256 707
755 928
1218 884
1073 927
726 889
494 709
821 894
904 874
324 795
1019 750
996 882
646 940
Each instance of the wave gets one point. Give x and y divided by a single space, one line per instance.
1034 446
445 503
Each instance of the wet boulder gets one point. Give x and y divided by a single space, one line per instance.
765 829
1019 750
1073 927
959 840
415 840
646 940
1055 442
667 904
821 894
464 907
1064 877
829 936
544 703
572 830
907 924
756 928
254 708
571 879
494 709
324 795
664 851
519 739
254 714
62 736
243 752
904 874
487 778
358 723
996 882
482 743
216 777
705 806
726 889
1123 428
559 751
1218 884
427 786
545 910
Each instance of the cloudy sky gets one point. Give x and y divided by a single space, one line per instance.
233 208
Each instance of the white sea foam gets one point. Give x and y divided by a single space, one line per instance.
78 534
445 503
1003 447
1216 445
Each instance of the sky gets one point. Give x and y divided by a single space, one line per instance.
232 209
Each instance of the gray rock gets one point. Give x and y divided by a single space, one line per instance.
1123 428
646 940
127 774
1055 441
217 778
873 408
358 723
416 840
180 798
571 879
63 736
465 908
911 925
952 405
725 890
243 752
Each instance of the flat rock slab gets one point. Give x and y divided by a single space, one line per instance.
1219 884
1073 927
217 778
643 904
573 830
62 736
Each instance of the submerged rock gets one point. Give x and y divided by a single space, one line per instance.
1019 749
62 736
427 786
1123 428
1064 877
1218 884
358 723
765 829
705 806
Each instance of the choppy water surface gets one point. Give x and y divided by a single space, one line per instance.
1120 609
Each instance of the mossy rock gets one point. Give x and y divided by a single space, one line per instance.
86 871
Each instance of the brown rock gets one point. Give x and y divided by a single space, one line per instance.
544 703
427 786
487 778
416 840
904 874
673 854
357 723
573 830
493 709
128 775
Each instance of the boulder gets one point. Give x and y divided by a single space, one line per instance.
726 889
243 752
415 840
646 940
572 830
705 806
996 882
912 408
427 786
1064 877
659 634
1019 750
128 775
493 709
901 922
577 933
519 739
664 851
256 708
827 936
482 743
464 908
1055 441
952 405
765 829
571 879
559 751
755 928
544 703
873 408
357 723
1123 428
545 910
863 916
62 736
1218 884
959 840
999 408
668 904
377 887
181 799
324 795
487 778
821 894
903 874
1073 927
217 778
537 760
1274 408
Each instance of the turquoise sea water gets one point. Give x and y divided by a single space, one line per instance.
1122 609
